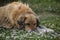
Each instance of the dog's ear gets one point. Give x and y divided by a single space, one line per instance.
38 22
21 22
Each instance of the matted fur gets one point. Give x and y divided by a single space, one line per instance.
12 12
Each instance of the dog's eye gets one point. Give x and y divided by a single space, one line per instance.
27 24
34 23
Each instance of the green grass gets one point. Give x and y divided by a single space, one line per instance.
52 22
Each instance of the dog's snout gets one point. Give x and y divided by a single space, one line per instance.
34 29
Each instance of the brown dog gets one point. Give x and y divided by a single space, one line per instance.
18 15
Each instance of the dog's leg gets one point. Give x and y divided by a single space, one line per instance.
7 25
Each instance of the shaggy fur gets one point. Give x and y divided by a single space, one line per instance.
13 14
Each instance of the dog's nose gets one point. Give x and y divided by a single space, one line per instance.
34 29
31 30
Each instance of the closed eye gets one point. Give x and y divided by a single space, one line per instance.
27 24
30 24
34 23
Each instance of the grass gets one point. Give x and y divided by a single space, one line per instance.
52 22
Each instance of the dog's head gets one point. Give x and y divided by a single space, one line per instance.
28 22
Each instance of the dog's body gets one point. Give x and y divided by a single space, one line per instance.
18 15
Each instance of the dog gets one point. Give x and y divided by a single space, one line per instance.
18 15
